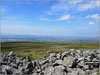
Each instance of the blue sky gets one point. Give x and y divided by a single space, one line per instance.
62 18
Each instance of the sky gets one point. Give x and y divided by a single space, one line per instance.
56 18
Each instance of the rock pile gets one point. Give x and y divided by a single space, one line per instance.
72 62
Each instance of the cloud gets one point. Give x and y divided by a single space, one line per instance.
88 5
76 5
57 8
73 7
44 19
47 19
65 17
91 22
94 16
75 1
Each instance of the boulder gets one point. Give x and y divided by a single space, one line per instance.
7 70
65 54
74 63
11 54
60 70
59 56
49 70
48 52
59 62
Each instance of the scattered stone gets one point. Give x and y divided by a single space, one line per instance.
73 62
48 52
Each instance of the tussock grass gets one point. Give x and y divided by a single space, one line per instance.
38 49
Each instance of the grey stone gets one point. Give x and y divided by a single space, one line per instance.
7 70
60 70
44 62
65 54
14 65
74 63
49 52
82 63
49 70
59 62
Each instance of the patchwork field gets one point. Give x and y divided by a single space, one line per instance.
38 49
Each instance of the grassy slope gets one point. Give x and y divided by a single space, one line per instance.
38 49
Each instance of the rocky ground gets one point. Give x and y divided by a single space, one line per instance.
72 62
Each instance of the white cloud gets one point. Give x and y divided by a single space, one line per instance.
44 19
57 8
76 5
91 22
65 17
72 7
88 5
94 16
98 3
47 19
75 1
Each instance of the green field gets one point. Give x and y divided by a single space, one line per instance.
38 49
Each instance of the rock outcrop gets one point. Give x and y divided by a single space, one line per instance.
72 62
